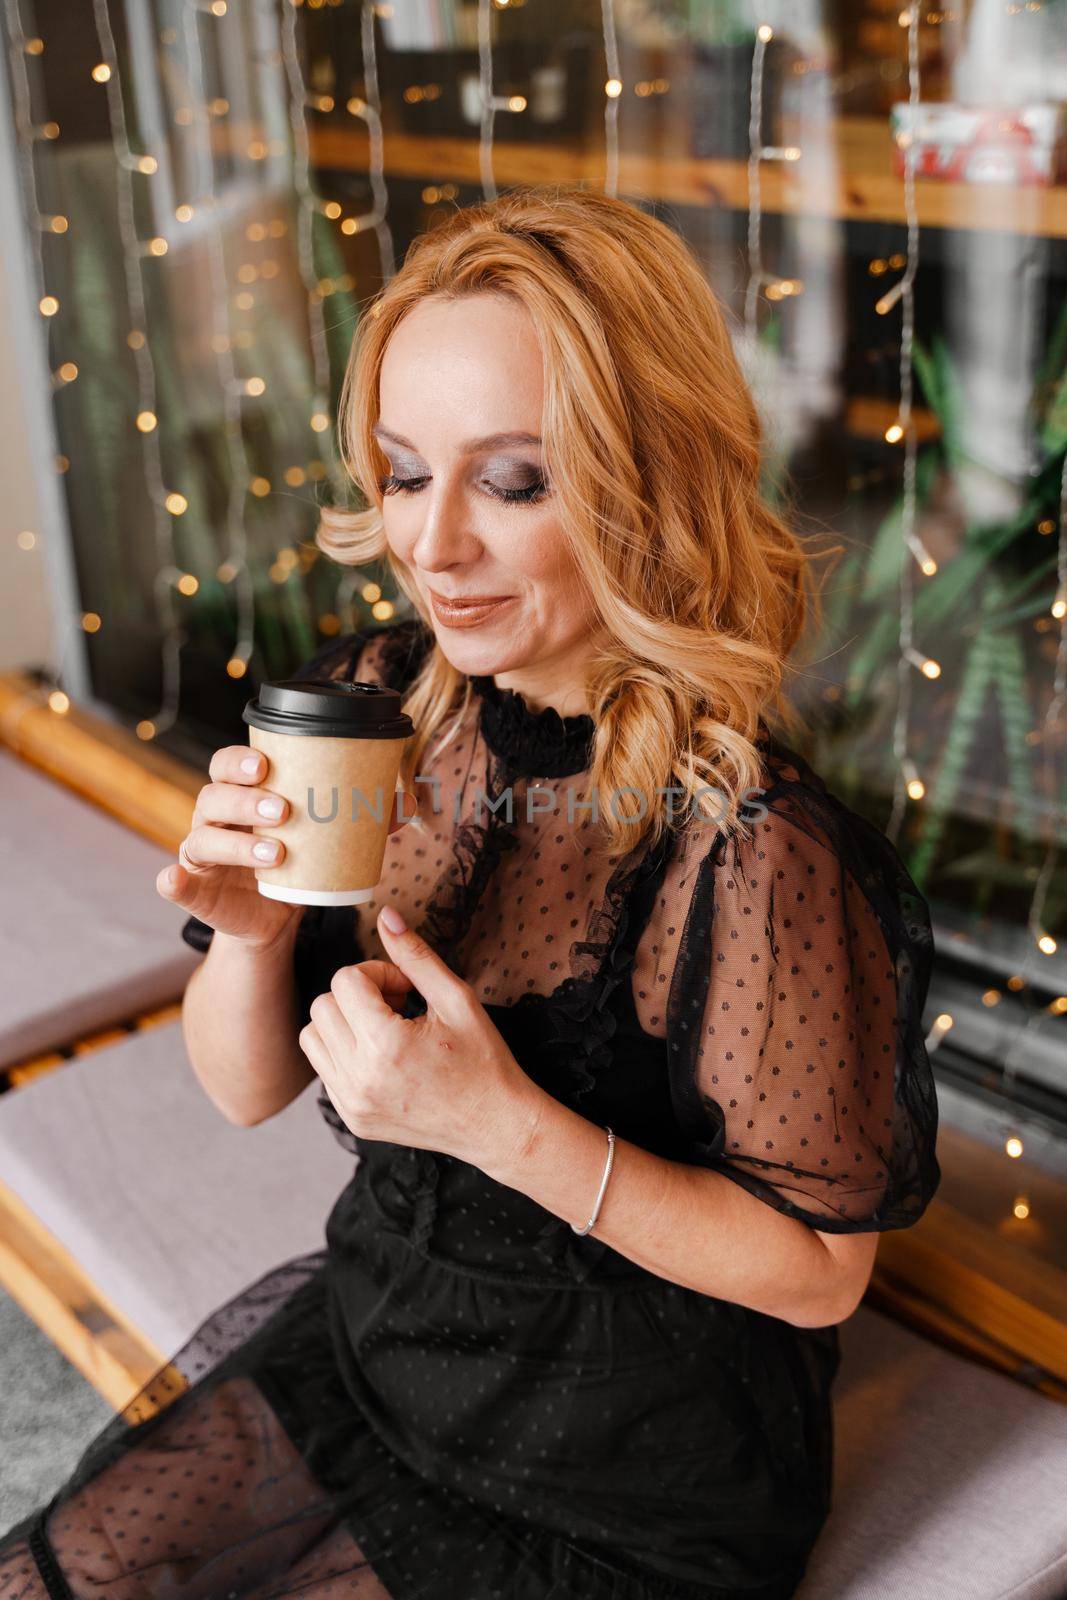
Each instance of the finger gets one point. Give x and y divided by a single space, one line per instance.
237 763
207 846
436 982
361 1002
334 1029
240 805
390 981
181 884
311 1042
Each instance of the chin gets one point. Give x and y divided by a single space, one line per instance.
494 645
480 660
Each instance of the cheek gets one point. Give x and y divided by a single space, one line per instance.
399 530
535 546
550 563
552 579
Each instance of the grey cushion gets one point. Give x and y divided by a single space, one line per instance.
948 1477
85 939
169 1208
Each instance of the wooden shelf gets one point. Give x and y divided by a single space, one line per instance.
850 177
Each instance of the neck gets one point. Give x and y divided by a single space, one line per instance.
559 683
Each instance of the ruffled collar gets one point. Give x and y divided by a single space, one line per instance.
539 744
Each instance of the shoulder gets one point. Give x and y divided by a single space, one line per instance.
391 655
794 829
785 821
809 845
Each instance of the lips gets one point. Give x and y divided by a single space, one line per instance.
468 611
468 599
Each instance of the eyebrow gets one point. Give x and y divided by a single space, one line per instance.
491 441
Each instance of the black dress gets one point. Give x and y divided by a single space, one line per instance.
459 1397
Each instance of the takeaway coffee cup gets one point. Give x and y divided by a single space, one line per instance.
334 752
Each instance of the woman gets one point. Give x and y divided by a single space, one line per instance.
636 1076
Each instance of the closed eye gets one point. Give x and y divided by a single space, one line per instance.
391 484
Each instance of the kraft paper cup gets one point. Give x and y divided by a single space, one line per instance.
333 751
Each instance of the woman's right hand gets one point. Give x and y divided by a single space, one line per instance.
214 878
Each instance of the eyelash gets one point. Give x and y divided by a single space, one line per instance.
391 484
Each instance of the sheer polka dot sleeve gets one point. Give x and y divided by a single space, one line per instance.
794 1018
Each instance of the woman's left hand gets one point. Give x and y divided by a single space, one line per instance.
444 1081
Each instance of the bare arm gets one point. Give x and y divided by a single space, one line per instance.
688 1224
241 1029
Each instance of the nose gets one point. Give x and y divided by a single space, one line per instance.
445 538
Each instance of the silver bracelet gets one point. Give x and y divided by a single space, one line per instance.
603 1185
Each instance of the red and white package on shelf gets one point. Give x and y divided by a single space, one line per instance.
982 144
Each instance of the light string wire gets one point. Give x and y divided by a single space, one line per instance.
28 135
236 564
909 658
492 103
758 152
488 103
134 254
906 777
757 276
368 108
1040 944
612 97
308 204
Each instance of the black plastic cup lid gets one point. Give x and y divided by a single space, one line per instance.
329 710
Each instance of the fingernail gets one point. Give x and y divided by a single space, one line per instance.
393 920
250 764
266 849
270 807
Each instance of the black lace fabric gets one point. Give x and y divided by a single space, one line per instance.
458 1397
788 974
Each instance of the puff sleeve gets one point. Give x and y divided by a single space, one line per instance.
794 1016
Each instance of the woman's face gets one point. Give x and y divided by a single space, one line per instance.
468 513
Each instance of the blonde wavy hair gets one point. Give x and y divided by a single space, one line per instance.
652 444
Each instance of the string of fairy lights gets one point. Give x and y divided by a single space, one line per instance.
235 567
136 254
909 784
196 114
612 97
366 107
759 278
140 255
490 103
1041 942
487 99
21 49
